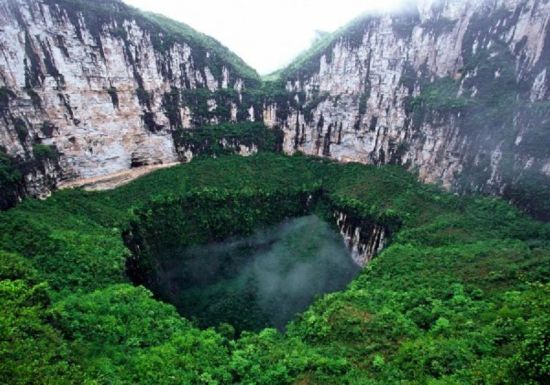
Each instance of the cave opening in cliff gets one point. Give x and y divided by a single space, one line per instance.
261 280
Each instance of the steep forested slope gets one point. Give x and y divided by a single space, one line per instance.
458 296
456 92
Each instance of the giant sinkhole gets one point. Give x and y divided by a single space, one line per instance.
256 281
249 260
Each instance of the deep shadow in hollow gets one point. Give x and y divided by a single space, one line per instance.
258 281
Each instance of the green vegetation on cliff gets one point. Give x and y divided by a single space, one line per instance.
226 139
460 296
308 61
11 180
164 33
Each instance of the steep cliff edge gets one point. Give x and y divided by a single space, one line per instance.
93 88
458 91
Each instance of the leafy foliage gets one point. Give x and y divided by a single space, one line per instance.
460 296
32 351
227 139
44 152
442 96
10 180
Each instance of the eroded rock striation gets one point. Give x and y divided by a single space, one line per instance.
104 87
456 91
363 239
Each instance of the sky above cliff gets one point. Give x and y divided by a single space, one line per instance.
267 34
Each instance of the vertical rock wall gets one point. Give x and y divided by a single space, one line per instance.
364 240
103 85
457 91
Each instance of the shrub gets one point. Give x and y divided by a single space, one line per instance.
43 152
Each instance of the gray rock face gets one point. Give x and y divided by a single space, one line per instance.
97 86
456 90
363 242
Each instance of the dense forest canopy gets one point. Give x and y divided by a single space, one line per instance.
456 292
460 295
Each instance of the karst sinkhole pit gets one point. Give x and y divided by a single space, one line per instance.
262 280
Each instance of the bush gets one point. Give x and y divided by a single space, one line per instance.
43 152
11 181
428 309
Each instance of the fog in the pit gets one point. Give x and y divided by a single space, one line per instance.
259 281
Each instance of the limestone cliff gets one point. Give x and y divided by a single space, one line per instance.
458 91
363 240
455 90
90 88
